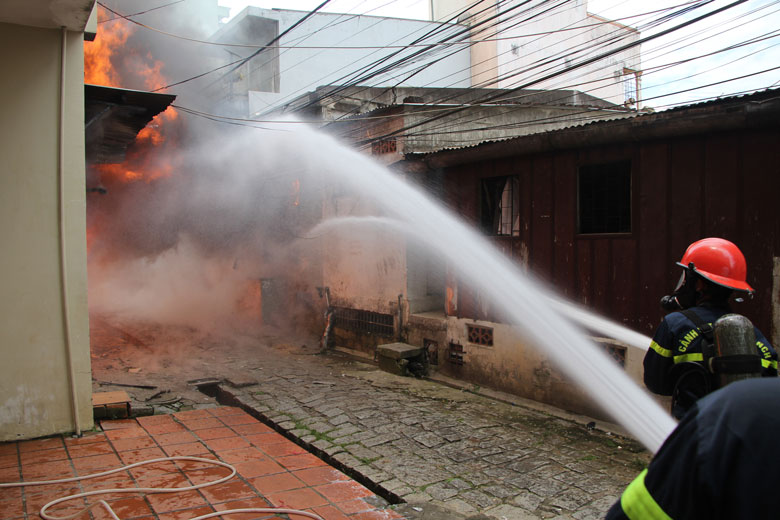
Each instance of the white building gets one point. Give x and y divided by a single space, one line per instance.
518 46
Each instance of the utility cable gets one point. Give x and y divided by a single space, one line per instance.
570 68
150 490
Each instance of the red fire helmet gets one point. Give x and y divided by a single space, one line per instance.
718 261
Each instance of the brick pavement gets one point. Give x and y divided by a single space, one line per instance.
427 443
405 439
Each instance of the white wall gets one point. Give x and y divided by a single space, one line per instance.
34 383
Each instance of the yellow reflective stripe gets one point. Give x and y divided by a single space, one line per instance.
694 356
638 504
660 350
768 363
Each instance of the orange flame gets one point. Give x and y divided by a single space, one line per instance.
110 38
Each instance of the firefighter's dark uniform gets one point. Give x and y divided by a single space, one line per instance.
721 462
677 340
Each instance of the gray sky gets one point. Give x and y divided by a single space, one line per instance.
702 78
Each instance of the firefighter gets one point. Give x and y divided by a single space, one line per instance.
675 364
719 463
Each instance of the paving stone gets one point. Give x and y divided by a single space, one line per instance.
478 498
508 512
571 499
380 439
339 419
460 506
417 497
441 491
527 500
361 452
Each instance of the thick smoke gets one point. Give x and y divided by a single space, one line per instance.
189 230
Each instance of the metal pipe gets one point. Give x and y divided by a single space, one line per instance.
74 401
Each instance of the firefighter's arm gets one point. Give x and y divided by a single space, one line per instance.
768 355
659 361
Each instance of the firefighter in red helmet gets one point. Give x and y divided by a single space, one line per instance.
677 362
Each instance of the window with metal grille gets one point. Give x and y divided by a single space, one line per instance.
362 321
617 353
500 206
455 354
480 335
604 198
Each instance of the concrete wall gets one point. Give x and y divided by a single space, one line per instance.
34 382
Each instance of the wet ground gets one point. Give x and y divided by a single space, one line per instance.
433 449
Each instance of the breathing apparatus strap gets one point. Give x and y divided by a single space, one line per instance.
707 334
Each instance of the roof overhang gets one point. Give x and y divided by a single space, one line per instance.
114 116
50 14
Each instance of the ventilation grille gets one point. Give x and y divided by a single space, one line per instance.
455 354
617 353
480 335
364 322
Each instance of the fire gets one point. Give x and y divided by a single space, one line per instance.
111 37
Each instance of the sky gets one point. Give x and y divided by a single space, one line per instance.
662 86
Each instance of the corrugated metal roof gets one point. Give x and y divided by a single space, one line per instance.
628 119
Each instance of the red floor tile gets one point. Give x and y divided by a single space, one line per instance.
234 489
37 457
155 420
134 443
34 503
168 480
192 414
258 468
320 475
9 461
227 443
203 475
283 449
194 449
354 506
167 502
343 491
47 471
246 504
293 462
303 498
235 420
8 448
118 424
164 428
329 513
40 444
275 483
133 456
182 437
222 411
202 424
266 439
186 514
126 433
155 468
121 479
89 450
86 439
96 463
11 474
215 433
250 428
11 501
241 455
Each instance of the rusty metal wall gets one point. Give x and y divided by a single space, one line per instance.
683 189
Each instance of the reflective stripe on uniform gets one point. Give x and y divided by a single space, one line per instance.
769 363
693 356
664 352
638 504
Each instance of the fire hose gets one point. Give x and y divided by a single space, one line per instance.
47 516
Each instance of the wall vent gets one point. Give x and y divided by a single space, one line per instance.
455 354
480 335
365 322
617 353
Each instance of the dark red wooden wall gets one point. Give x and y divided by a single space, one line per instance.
683 189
